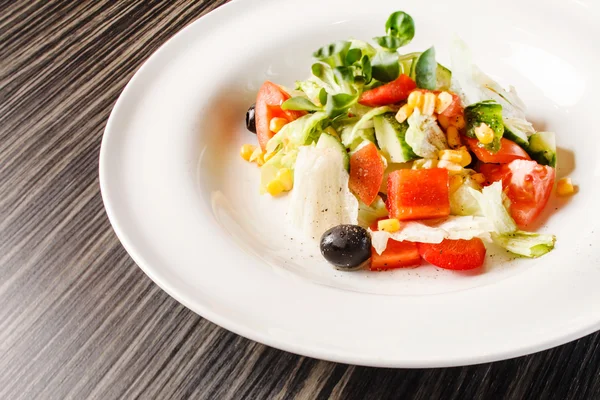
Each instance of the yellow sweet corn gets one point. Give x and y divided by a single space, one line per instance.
443 100
479 178
458 122
429 100
276 124
246 151
275 187
257 157
425 163
404 112
460 156
389 225
564 187
484 133
415 99
453 137
455 182
452 167
444 121
286 178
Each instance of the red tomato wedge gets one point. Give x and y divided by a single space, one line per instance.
395 255
493 172
390 93
508 152
527 184
418 194
366 173
454 254
268 106
455 108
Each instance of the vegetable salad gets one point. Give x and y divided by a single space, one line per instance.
392 158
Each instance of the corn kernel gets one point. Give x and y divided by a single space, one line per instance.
443 121
246 151
453 137
276 124
452 167
331 130
389 225
484 133
454 183
479 178
450 155
404 112
275 187
425 163
429 103
465 157
458 122
415 99
286 178
443 101
564 187
460 156
257 157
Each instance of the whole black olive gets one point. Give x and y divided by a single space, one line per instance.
347 247
250 121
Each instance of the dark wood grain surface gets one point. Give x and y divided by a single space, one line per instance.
78 319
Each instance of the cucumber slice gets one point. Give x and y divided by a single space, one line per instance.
352 138
444 77
390 136
542 148
329 141
407 63
516 136
518 130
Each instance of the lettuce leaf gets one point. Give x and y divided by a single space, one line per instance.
453 228
424 135
320 198
369 214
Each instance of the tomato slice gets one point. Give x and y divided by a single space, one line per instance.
268 106
493 172
455 108
395 255
418 194
508 152
454 254
527 184
366 173
390 93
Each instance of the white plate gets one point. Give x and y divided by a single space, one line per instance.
187 208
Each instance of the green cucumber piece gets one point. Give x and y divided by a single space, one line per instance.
443 77
329 141
390 136
542 148
407 63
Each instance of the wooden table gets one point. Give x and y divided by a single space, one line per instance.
78 319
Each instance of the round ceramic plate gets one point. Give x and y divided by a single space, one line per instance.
187 208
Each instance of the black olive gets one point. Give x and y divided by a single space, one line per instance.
347 247
250 121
